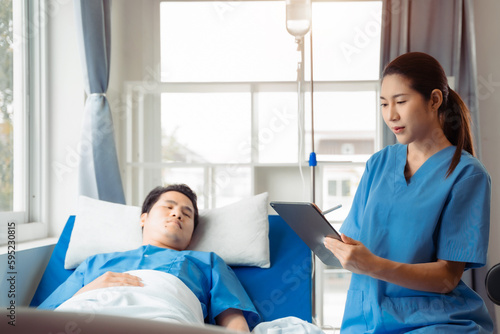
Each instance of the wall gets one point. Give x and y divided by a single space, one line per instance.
65 103
129 38
30 265
488 55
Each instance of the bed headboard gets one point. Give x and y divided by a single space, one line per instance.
284 289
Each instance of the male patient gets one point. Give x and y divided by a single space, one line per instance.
160 280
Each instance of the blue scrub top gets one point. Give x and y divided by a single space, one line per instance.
206 274
426 218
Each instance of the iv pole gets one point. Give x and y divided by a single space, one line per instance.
298 14
297 9
317 312
312 157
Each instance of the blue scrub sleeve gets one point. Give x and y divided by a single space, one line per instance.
66 290
227 292
465 223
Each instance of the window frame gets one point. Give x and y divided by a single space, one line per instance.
30 171
135 93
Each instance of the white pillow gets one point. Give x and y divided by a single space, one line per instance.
238 232
102 227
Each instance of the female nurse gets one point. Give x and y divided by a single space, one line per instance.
420 216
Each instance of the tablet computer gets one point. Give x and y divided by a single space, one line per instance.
307 220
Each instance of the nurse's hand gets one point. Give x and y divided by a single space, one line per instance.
352 254
440 276
109 279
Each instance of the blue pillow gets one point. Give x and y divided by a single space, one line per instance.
55 274
285 289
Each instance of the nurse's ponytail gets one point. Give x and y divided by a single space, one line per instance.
426 74
456 124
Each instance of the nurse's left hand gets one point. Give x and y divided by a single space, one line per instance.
352 254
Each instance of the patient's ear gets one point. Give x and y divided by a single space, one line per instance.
143 219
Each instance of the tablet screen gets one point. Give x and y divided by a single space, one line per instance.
311 226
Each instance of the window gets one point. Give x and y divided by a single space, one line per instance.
20 139
223 115
6 107
332 188
346 188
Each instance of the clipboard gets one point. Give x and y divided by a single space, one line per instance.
307 220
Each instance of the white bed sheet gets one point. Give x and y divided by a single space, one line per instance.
163 297
287 325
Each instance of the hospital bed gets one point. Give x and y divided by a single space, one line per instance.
282 290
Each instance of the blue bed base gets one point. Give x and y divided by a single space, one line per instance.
283 290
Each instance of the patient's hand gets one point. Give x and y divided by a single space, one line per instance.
112 279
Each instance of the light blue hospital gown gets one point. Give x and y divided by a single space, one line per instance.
205 274
429 217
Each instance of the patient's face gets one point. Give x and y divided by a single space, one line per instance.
170 222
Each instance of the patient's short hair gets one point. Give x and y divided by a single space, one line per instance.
155 194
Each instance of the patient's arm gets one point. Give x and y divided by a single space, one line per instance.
111 279
232 319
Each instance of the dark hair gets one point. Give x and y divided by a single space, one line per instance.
154 196
426 74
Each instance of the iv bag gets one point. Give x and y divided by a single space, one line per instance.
298 17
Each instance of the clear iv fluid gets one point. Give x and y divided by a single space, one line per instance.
298 17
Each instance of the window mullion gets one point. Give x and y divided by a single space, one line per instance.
255 124
20 121
36 104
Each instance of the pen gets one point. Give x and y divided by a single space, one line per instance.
332 209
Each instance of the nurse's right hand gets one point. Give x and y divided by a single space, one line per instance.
440 276
352 254
109 279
